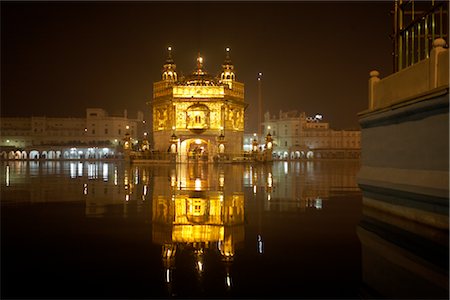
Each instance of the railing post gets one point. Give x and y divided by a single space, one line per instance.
372 81
438 47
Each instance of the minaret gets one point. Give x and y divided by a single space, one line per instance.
227 76
169 68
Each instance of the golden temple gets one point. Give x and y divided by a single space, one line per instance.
199 117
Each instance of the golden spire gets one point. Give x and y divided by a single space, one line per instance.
199 62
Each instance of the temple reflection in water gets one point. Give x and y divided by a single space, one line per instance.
220 228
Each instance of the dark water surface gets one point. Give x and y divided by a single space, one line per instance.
110 230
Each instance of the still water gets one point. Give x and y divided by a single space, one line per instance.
111 230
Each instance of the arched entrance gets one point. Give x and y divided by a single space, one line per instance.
195 150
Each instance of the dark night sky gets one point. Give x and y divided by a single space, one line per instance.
59 58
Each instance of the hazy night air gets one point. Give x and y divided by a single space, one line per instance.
60 58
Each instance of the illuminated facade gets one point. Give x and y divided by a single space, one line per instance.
198 116
55 138
297 136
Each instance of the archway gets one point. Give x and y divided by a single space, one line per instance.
51 154
310 155
18 155
24 155
44 155
297 154
195 149
34 154
4 155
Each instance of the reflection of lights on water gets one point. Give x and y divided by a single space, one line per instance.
173 181
254 189
127 197
80 169
92 171
136 176
269 180
105 172
145 190
115 175
200 266
318 203
228 280
85 189
167 275
7 175
286 167
221 180
268 197
198 184
260 244
173 198
221 198
73 170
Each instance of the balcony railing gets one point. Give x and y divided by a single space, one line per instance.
416 25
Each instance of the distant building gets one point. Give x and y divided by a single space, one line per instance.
297 136
198 116
20 136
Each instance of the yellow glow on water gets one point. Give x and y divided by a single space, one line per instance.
7 175
198 184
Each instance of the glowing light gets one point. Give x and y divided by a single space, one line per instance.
254 134
7 141
173 127
115 175
268 127
228 49
115 140
145 190
169 48
127 127
85 130
260 244
73 170
85 189
145 133
268 197
80 169
200 266
228 280
254 189
7 175
269 180
198 141
105 172
259 74
318 203
167 271
127 197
